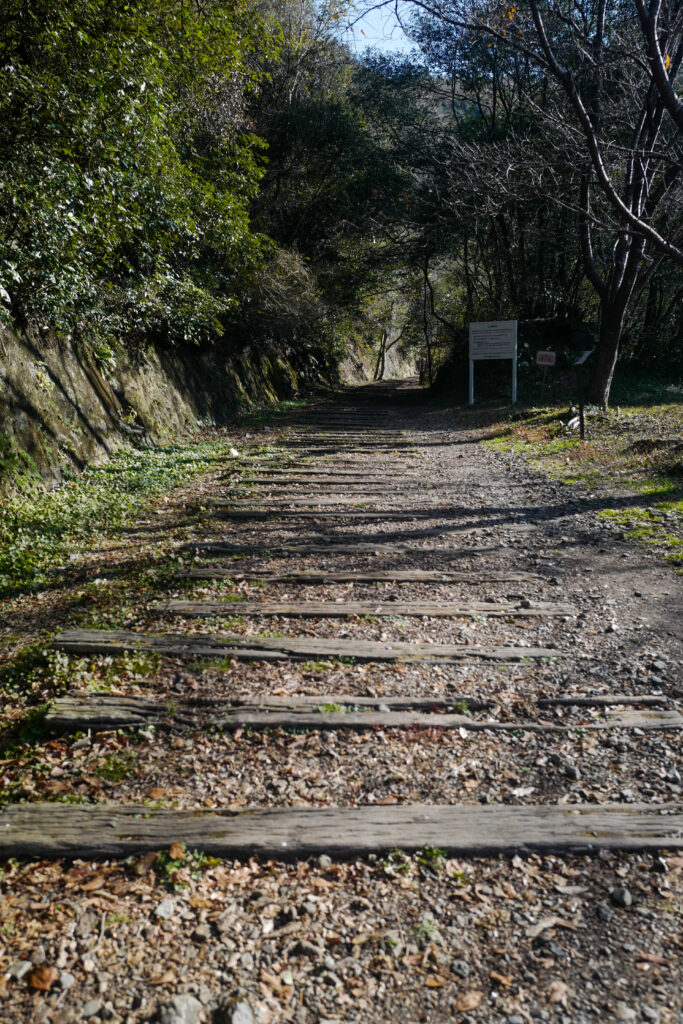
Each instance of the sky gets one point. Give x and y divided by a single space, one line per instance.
379 28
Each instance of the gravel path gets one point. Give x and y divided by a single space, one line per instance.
574 938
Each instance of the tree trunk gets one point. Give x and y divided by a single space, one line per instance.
614 302
379 367
611 323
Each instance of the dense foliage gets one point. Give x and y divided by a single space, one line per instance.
182 172
127 165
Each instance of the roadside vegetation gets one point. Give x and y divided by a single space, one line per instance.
633 454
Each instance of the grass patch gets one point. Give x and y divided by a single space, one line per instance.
42 531
631 463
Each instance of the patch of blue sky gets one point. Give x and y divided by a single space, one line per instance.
377 28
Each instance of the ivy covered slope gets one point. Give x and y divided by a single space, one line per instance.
127 165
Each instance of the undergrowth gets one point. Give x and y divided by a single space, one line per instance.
631 463
41 531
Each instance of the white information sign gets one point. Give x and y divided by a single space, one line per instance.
494 339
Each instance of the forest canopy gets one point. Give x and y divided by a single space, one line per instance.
191 171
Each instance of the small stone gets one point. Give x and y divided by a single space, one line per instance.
324 861
86 925
165 909
64 1016
622 1011
621 897
38 956
605 914
247 961
650 1013
205 994
66 980
202 933
572 772
461 968
92 1007
236 1013
19 969
183 1009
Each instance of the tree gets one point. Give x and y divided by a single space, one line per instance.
602 112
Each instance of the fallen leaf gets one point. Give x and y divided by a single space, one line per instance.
94 883
557 992
535 929
652 958
503 979
468 1001
435 981
549 922
176 851
42 978
157 794
168 978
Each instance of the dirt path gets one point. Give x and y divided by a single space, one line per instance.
549 676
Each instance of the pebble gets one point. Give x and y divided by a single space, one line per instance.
324 861
623 1011
461 968
202 933
181 1010
66 980
19 969
165 909
39 956
90 1008
650 1013
236 1013
621 897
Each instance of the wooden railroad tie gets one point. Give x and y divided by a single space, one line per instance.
80 711
348 609
268 514
260 648
56 830
208 572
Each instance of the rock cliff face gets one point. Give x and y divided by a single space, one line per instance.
59 405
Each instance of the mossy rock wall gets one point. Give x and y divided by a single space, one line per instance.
58 406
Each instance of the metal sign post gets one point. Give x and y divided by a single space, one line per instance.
494 339
579 364
545 359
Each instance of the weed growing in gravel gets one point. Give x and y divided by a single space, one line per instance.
424 931
461 708
395 863
178 867
431 861
118 767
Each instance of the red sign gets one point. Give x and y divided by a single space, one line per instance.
545 358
